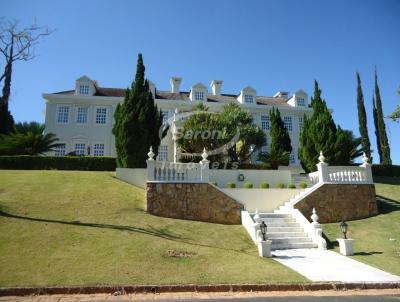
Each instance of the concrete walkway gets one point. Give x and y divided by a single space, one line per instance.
323 265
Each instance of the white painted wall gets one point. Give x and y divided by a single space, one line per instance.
136 177
273 177
265 200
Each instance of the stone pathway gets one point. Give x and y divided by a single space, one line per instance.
323 265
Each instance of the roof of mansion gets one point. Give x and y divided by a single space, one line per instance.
184 96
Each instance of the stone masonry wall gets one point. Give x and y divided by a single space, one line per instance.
334 202
192 201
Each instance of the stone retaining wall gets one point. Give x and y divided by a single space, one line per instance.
334 202
193 201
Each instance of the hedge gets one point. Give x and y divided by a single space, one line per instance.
26 162
385 170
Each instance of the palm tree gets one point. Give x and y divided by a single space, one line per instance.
28 139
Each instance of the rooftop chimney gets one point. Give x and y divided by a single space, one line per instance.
216 87
175 84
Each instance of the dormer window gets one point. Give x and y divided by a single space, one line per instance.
248 98
199 95
301 102
84 89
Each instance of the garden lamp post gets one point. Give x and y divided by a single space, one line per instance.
263 228
343 228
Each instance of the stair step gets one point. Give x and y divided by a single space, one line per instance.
283 224
299 245
274 235
278 220
273 215
274 229
290 240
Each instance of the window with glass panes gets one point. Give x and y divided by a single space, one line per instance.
288 122
301 102
199 95
80 149
98 150
62 114
301 120
248 98
165 114
84 89
101 115
162 153
59 150
265 122
81 115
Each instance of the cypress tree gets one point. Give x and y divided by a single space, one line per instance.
137 122
375 115
383 139
362 120
280 139
318 134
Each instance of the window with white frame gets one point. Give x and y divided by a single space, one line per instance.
301 121
248 98
62 114
60 150
165 115
81 115
162 153
101 115
98 150
292 158
265 122
80 148
301 102
288 122
84 89
199 95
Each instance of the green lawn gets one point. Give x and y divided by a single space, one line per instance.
86 228
372 245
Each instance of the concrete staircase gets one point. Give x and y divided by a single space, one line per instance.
285 232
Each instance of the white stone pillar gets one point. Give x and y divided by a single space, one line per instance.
322 166
151 163
205 167
368 171
174 137
317 231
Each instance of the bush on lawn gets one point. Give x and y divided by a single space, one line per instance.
22 162
248 185
302 185
291 186
264 185
231 185
280 186
385 170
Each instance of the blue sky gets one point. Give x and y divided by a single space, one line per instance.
270 45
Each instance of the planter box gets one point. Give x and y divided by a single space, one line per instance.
264 248
346 246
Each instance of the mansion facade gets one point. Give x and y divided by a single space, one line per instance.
83 118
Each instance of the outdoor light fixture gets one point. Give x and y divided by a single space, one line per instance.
343 227
263 228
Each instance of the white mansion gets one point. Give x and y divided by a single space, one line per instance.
82 119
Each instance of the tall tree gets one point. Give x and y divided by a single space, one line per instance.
383 139
137 122
281 145
362 120
15 45
375 115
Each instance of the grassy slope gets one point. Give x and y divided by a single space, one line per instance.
75 228
372 245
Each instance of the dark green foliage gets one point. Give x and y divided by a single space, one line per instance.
264 185
83 163
386 170
291 186
231 185
382 138
395 115
28 139
232 120
6 119
320 133
281 146
362 120
375 115
137 123
302 185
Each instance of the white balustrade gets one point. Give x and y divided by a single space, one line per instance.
164 171
342 174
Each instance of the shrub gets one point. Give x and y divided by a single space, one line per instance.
264 185
302 185
231 185
385 170
280 185
291 186
248 185
214 183
27 162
